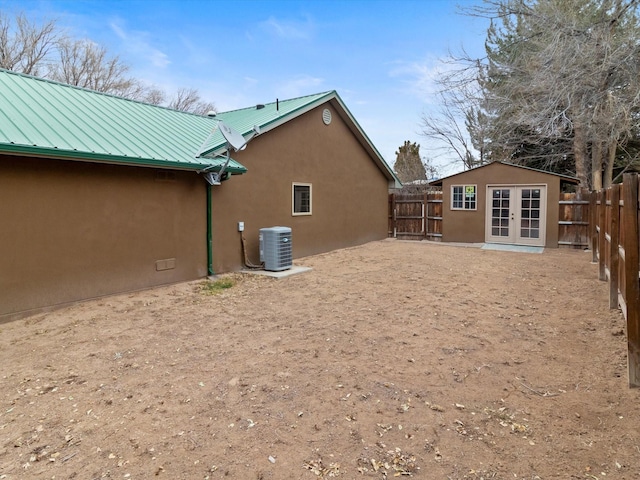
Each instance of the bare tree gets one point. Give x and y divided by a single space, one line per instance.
155 96
188 100
456 97
43 50
25 46
85 64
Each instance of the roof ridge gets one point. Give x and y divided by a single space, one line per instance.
317 95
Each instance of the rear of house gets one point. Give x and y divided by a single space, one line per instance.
101 195
314 174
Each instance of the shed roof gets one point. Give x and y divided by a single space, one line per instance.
563 178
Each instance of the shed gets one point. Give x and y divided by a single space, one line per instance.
502 203
102 195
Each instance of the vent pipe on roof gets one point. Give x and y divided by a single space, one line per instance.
259 106
277 105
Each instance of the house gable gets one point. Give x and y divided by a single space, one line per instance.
349 191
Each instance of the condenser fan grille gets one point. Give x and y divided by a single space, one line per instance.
276 249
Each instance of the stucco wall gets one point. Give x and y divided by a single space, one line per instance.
349 192
468 226
73 230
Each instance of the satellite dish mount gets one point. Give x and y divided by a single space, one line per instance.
234 140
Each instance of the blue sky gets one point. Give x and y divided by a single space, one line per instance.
380 56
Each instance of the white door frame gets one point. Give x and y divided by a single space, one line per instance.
517 215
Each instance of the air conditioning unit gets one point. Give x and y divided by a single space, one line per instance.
275 248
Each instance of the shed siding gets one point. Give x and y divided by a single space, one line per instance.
349 192
469 226
73 231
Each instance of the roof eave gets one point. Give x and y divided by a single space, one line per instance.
55 153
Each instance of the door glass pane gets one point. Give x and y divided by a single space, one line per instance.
530 213
500 216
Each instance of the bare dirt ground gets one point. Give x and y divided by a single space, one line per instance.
390 359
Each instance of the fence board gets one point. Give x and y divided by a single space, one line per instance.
416 216
632 265
614 247
573 220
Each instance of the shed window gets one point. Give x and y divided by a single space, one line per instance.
463 197
301 199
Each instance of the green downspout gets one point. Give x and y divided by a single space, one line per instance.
209 236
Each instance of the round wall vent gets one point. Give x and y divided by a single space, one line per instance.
326 116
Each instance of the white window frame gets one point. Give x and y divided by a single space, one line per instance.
464 198
293 198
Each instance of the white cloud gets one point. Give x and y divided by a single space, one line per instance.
421 78
137 43
300 85
289 29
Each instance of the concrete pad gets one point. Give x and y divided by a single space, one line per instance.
294 270
512 248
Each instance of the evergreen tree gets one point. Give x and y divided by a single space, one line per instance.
409 166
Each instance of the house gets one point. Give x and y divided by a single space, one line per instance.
502 203
102 195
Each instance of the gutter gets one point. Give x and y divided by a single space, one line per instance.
209 235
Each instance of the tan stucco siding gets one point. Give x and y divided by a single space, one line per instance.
469 226
349 192
73 230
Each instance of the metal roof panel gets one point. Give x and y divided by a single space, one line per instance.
41 117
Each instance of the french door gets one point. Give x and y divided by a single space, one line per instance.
516 214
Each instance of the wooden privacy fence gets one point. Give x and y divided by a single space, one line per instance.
573 220
614 239
416 216
419 217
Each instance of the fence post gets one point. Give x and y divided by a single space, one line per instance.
614 262
593 222
394 223
602 242
631 266
425 214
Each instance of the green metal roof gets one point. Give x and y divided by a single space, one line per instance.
49 119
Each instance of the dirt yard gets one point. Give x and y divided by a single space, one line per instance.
390 359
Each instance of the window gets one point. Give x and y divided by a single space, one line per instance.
463 197
301 199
